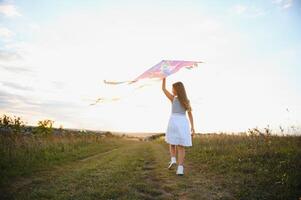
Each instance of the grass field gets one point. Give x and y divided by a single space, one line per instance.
96 167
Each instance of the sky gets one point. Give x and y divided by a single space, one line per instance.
54 56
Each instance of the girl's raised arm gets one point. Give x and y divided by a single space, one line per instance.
168 94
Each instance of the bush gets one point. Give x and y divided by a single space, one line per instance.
11 124
44 127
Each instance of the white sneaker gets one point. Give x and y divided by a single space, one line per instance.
171 164
180 170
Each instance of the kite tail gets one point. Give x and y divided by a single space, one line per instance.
117 82
103 99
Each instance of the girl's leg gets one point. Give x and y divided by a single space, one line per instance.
173 160
181 154
172 150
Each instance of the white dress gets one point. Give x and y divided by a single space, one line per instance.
178 129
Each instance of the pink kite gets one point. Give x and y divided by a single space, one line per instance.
160 70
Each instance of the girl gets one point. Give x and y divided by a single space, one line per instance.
178 134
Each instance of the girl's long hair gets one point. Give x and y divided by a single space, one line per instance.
181 93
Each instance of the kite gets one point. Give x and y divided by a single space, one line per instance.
160 70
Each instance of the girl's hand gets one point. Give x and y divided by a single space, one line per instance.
192 132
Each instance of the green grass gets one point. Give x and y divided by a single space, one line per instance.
112 177
21 155
253 167
123 173
93 167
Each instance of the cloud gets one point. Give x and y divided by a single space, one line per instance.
9 10
16 86
284 4
248 11
34 110
15 69
6 33
9 56
9 100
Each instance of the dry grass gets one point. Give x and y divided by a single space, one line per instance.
252 166
23 154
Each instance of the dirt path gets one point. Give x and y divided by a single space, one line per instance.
195 184
135 171
97 155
